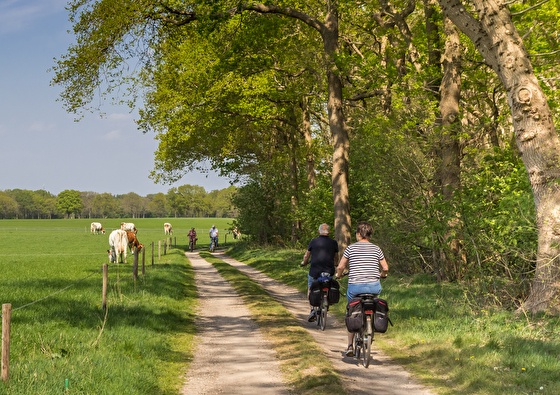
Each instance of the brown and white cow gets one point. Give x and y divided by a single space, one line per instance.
118 241
167 228
129 227
96 228
133 242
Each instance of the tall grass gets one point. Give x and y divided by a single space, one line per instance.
451 344
51 275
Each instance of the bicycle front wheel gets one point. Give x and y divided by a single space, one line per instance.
367 342
323 312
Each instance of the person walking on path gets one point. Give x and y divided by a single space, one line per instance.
366 264
323 251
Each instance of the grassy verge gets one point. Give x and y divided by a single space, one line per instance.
302 363
141 346
447 342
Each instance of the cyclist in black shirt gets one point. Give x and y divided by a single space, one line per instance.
323 251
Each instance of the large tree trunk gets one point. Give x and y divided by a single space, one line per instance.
339 132
498 41
337 124
450 165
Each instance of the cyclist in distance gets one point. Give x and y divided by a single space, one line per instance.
366 264
323 251
213 235
192 236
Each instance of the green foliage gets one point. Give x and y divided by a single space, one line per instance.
69 203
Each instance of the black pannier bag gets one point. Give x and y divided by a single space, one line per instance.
354 316
334 292
315 293
381 318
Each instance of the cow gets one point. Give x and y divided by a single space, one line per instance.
96 228
133 242
129 227
118 241
167 228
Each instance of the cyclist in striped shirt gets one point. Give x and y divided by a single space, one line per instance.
366 264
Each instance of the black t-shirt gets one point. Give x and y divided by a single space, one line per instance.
323 250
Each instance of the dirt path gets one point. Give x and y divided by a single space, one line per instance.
232 356
383 377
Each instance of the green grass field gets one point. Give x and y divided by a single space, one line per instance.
51 274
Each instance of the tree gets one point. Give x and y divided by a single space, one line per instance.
157 205
489 26
69 202
103 30
8 206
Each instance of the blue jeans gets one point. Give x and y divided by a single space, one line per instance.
309 281
366 288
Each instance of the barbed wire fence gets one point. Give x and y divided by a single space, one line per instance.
7 309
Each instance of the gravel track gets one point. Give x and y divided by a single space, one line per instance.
242 362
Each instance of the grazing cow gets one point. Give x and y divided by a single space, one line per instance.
133 241
167 228
129 227
236 233
118 241
96 228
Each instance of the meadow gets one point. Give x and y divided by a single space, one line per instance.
61 338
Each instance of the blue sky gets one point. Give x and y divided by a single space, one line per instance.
42 147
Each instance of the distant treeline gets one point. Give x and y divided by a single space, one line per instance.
183 201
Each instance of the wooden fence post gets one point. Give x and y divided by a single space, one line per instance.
135 265
159 250
153 252
143 261
104 292
6 322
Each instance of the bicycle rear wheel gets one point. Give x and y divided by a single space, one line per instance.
358 345
367 342
323 312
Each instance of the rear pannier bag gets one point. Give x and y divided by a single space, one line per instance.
381 316
334 292
315 293
354 316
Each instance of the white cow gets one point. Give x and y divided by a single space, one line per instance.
128 226
167 228
118 241
97 228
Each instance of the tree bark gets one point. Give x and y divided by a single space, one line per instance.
496 38
450 165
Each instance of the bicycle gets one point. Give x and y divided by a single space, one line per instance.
321 311
212 244
364 337
191 244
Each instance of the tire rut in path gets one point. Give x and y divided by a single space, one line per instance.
383 377
231 355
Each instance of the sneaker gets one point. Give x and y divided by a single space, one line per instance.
350 351
312 316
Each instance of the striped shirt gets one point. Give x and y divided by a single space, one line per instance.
363 261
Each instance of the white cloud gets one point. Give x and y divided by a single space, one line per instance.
113 135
